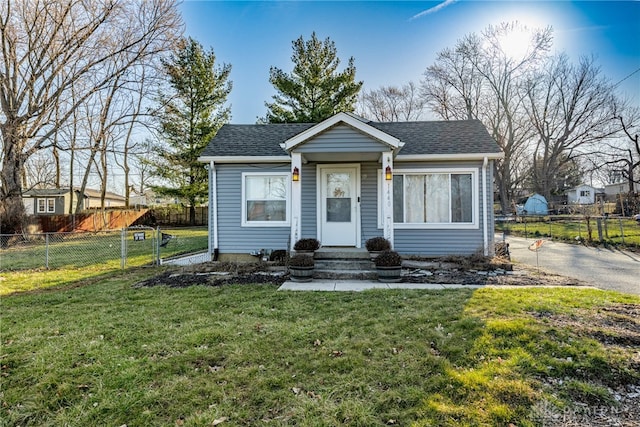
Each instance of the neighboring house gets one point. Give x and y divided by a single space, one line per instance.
581 195
111 200
425 186
611 191
50 201
60 201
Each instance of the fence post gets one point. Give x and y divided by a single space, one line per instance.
123 248
46 250
158 242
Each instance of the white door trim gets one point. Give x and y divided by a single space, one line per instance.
319 204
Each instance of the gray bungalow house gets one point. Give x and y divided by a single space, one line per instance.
425 186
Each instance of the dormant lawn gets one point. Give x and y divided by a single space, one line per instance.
102 352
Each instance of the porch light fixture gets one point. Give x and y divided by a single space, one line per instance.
387 174
295 177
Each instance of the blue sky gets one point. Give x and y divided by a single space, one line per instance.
393 42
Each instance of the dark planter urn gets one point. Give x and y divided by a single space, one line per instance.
389 274
301 274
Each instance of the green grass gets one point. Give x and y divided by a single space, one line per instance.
86 255
110 354
186 240
104 249
572 231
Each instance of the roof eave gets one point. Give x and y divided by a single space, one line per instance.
244 159
460 156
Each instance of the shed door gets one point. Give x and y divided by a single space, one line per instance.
340 215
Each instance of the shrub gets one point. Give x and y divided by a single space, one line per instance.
307 244
378 244
301 261
388 259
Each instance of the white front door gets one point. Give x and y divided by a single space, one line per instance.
339 205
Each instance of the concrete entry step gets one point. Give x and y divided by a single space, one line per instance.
344 264
341 253
338 263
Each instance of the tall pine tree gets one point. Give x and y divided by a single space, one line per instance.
315 90
191 114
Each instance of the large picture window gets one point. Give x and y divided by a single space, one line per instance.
434 199
265 199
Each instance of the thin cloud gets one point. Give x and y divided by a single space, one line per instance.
434 9
583 29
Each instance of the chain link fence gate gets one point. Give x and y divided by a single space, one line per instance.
140 246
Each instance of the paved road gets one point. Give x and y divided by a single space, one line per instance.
604 268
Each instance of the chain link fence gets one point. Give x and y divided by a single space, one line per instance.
606 229
115 249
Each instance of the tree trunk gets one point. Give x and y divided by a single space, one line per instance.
12 214
192 215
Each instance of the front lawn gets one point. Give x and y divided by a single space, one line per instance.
111 354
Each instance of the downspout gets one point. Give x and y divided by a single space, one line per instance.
213 216
485 208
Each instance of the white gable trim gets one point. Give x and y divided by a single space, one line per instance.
347 119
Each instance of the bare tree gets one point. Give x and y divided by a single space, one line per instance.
571 109
40 172
480 79
393 103
48 48
631 160
619 159
452 87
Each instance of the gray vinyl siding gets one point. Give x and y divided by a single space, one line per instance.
342 139
369 201
451 241
232 237
309 221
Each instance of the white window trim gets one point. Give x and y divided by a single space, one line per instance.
435 226
45 208
287 222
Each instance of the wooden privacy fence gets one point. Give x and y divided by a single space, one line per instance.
88 221
179 215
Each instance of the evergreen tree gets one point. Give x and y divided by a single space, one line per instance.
191 114
315 90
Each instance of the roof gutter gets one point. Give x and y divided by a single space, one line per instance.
244 159
462 156
485 208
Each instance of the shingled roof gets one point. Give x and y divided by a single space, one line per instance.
420 138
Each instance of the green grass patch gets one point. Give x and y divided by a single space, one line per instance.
80 256
614 231
185 240
98 250
111 354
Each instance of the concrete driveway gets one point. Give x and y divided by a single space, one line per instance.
609 269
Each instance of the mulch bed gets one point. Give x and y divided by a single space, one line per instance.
463 271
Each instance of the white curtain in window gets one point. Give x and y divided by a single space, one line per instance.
414 198
437 197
